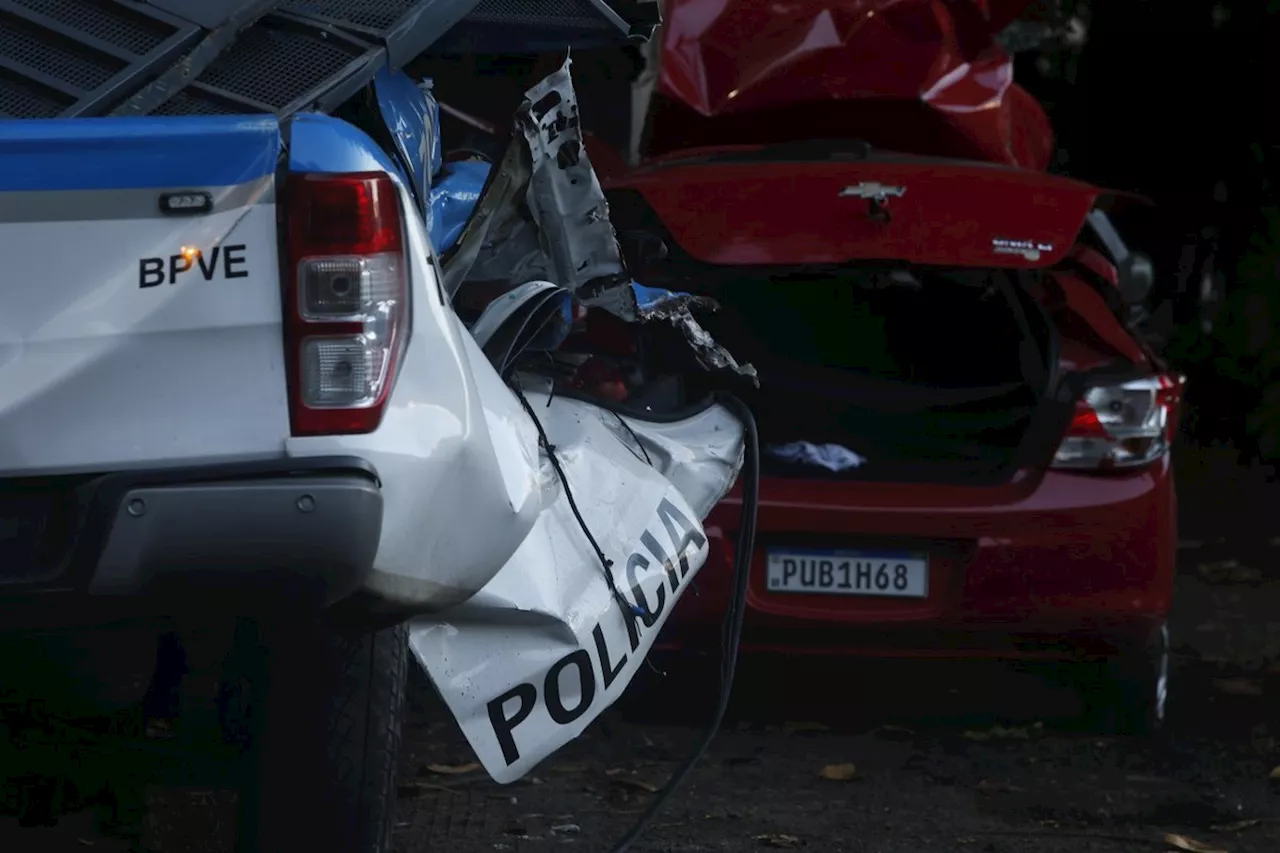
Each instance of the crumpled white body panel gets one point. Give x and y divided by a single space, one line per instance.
529 661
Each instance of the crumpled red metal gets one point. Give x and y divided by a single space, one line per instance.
925 76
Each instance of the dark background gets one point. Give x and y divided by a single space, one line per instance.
1178 101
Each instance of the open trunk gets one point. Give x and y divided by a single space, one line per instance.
930 375
885 300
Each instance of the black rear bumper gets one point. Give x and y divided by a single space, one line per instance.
241 538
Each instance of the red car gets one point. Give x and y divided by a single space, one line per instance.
967 445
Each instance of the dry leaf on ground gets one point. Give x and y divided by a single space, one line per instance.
1005 732
1228 571
785 842
1274 774
1238 686
798 727
890 729
1190 845
838 772
1236 826
453 769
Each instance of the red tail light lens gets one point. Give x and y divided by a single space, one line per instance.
346 299
1122 425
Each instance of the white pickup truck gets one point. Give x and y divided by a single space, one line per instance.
245 435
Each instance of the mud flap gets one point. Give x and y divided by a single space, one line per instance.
542 650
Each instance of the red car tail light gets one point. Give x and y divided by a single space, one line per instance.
1122 425
346 299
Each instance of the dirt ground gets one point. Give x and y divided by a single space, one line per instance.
944 758
927 758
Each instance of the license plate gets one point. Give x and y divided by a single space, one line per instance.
889 574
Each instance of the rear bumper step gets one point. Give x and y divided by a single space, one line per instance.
240 537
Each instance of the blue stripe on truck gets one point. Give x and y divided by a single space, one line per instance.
136 153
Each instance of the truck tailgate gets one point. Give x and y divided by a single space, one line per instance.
141 321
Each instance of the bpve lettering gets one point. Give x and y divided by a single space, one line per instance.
219 262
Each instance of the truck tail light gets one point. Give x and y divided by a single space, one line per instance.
346 293
1122 425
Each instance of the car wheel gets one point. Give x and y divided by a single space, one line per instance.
326 708
1129 695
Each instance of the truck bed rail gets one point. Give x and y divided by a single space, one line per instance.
72 58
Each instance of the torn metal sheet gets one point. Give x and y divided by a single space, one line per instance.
656 302
636 303
565 196
658 305
545 215
709 353
545 647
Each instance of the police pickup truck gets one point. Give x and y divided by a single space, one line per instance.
254 452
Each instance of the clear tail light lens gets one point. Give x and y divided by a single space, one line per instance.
347 308
355 288
1122 425
341 373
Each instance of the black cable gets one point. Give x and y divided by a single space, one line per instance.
607 564
732 631
732 628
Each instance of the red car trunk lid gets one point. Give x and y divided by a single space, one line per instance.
920 75
748 207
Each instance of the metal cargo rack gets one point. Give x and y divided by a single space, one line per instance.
71 58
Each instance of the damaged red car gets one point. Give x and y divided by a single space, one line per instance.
966 437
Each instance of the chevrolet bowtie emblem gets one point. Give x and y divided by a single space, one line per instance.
877 197
873 191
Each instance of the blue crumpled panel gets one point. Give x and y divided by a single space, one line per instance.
412 117
658 302
648 298
638 303
453 197
433 111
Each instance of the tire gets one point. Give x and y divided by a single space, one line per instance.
1129 693
326 711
